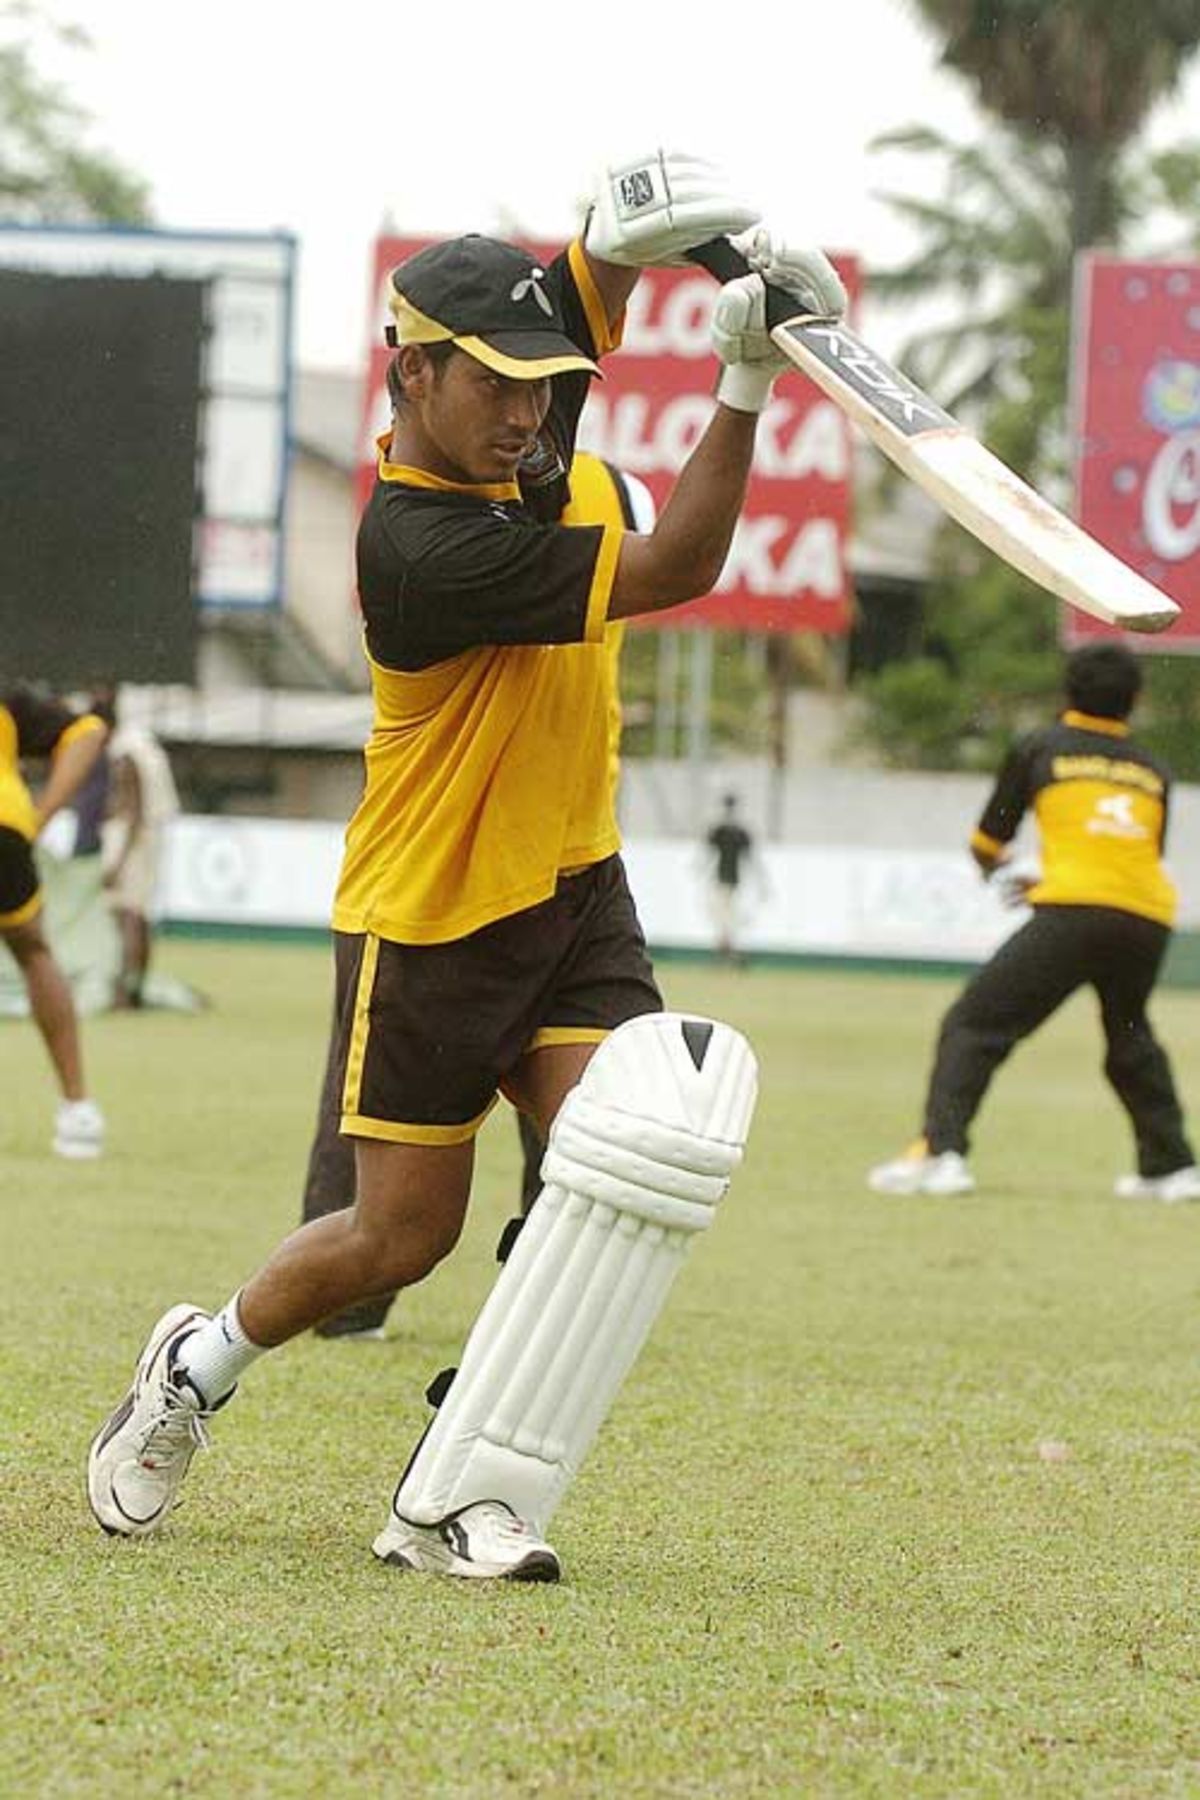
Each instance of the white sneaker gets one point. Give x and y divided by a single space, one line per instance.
78 1129
140 1456
914 1171
1180 1184
484 1541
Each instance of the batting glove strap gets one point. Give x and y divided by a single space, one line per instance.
648 210
745 388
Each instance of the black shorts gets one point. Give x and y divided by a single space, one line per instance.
20 887
428 1032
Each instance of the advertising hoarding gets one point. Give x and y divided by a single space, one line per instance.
1136 386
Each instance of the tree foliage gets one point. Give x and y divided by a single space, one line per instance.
1083 73
49 174
993 224
1069 84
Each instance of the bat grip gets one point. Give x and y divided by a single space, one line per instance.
719 257
724 263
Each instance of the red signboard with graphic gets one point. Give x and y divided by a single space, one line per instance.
787 569
1136 354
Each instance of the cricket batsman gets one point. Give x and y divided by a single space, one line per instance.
486 942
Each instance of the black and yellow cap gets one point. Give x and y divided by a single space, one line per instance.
488 298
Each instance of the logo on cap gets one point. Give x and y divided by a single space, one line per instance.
521 289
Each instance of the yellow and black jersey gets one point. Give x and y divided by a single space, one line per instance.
600 492
1100 803
489 770
31 726
443 566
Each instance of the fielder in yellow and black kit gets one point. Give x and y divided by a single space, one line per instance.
30 726
36 726
1103 907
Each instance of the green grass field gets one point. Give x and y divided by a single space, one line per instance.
818 1549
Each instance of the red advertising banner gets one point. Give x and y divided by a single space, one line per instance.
1136 379
787 569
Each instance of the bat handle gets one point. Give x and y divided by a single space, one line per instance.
719 257
725 263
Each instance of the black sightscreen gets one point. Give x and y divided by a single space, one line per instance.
99 401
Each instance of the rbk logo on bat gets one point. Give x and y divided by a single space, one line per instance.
905 405
637 190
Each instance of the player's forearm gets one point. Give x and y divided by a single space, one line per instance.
682 558
612 283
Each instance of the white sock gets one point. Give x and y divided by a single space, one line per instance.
213 1356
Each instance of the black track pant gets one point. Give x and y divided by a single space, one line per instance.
1063 948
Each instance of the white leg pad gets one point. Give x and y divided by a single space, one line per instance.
640 1154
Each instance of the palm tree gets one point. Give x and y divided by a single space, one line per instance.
1070 83
998 242
1081 74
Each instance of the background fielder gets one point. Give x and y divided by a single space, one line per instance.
33 725
1102 912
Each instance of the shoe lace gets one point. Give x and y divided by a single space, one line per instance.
504 1523
176 1427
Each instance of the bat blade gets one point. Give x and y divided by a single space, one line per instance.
970 483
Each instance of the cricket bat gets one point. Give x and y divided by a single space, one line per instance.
943 458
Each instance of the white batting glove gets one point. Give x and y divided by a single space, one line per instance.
648 210
805 273
743 343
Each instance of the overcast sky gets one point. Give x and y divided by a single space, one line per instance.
336 120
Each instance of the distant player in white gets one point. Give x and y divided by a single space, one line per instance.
142 802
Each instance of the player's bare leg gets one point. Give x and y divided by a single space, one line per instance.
79 1123
50 1002
544 1078
134 930
408 1215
